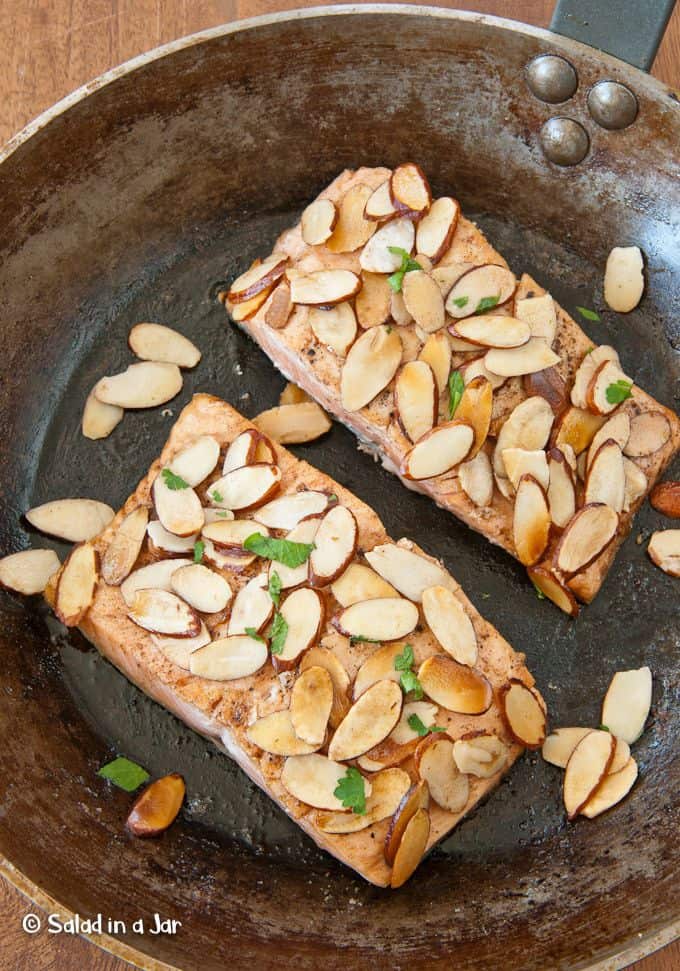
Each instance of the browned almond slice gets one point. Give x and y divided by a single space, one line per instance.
99 419
521 461
410 573
374 300
417 798
504 486
454 686
231 562
436 229
252 607
524 713
247 487
324 287
627 702
527 427
450 624
280 306
636 484
229 658
607 375
621 756
162 612
411 848
157 807
648 433
539 313
318 221
606 478
389 788
590 531
493 331
122 552
458 345
318 656
294 424
275 734
310 704
416 399
614 787
241 451
535 355
623 279
162 541
587 767
379 205
475 368
424 301
439 450
27 572
376 256
155 575
142 385
381 619
358 583
295 576
561 488
446 274
335 327
371 364
480 284
313 780
76 585
201 588
179 649
409 189
155 342
587 368
480 754
334 545
665 498
436 352
259 277
549 385
402 733
476 479
370 719
303 612
531 521
75 520
559 745
197 461
352 229
616 428
435 764
398 311
288 511
293 395
179 509
231 534
379 666
552 587
248 308
577 428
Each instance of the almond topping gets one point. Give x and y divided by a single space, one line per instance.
335 543
648 433
241 451
389 788
559 745
411 573
435 764
627 702
475 407
324 287
436 352
28 572
521 461
303 612
527 427
76 585
157 807
445 275
454 686
155 342
229 658
376 256
358 583
552 587
197 461
370 366
535 355
577 428
374 301
293 395
310 705
613 788
162 612
636 484
288 511
275 734
493 331
252 608
489 282
480 755
549 384
616 428
295 576
435 230
439 450
665 498
247 487
590 531
475 368
318 222
524 713
417 798
352 229
179 649
321 657
154 576
381 619
248 308
416 399
335 327
423 300
450 624
201 588
598 394
231 534
260 276
409 189
587 767
531 521
313 780
539 313
122 552
379 666
370 719
379 205
280 306
623 279
75 520
294 424
142 385
179 509
99 419
476 479
411 848
587 368
606 478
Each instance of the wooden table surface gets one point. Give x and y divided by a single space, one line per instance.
51 47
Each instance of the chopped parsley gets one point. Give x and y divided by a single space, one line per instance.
461 302
351 791
604 728
199 547
619 391
282 550
221 513
172 481
125 774
456 389
417 725
216 496
362 639
333 498
274 587
407 264
251 632
408 680
539 592
588 314
278 632
486 303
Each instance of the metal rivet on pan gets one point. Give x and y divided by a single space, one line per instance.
564 141
612 105
551 78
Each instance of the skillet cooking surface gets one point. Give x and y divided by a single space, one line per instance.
139 204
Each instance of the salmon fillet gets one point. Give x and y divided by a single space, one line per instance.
225 711
316 368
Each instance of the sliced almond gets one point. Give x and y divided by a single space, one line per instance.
577 428
524 713
561 488
313 780
531 521
295 576
336 327
552 587
454 686
154 576
381 619
370 719
374 301
122 552
288 511
142 385
293 395
275 734
229 658
606 478
590 531
260 276
446 274
411 848
379 205
335 543
248 308
358 583
665 498
649 432
504 486
439 450
318 221
535 355
352 229
450 624
280 306
379 666
195 462
388 789
75 520
155 342
539 313
521 461
201 588
409 189
162 612
179 649
252 607
293 424
587 368
475 368
621 756
480 755
265 451
76 585
231 562
318 656
476 479
310 704
424 301
478 284
475 407
458 345
303 612
435 230
636 484
436 352
320 288
241 451
157 807
559 745
402 733
616 428
587 767
549 384
613 788
178 509
28 572
416 399
435 764
248 487
99 419
376 256
626 705
398 311
410 573
623 279
608 374
493 331
527 427
371 364
231 534
417 798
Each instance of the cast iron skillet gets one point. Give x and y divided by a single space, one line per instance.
135 200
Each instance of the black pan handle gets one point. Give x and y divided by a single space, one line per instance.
629 29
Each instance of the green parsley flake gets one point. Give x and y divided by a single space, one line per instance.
539 592
282 550
588 314
619 391
456 389
461 302
125 774
362 639
351 791
333 498
172 481
216 496
407 265
278 632
251 632
416 725
604 728
274 587
199 547
486 303
408 680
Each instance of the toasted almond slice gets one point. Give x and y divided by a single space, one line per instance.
260 276
561 488
577 428
665 497
162 612
435 764
195 462
352 229
335 543
374 300
447 274
231 534
409 189
379 666
424 301
142 385
304 614
241 451
416 399
535 355
521 461
99 419
481 755
417 798
478 284
336 327
613 788
504 486
524 713
163 541
649 432
231 562
410 573
379 205
450 624
623 279
252 607
608 374
626 705
590 531
527 427
157 807
559 745
398 311
371 364
475 407
552 587
248 308
275 734
381 619
293 395
358 583
318 221
587 767
458 345
476 368
293 424
376 256
492 330
154 576
324 287
436 229
402 732
439 450
248 487
310 704
295 576
389 787
454 686
476 479
122 552
636 484
616 428
388 753
531 521
313 780
179 510
318 656
155 342
75 520
549 384
229 658
179 649
539 313
370 719
621 756
606 478
201 588
280 306
76 585
587 368
27 572
411 848
436 352
288 511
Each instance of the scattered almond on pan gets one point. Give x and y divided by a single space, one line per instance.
157 807
624 282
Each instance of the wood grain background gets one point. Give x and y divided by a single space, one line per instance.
50 47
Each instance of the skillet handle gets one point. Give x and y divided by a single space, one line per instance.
629 29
